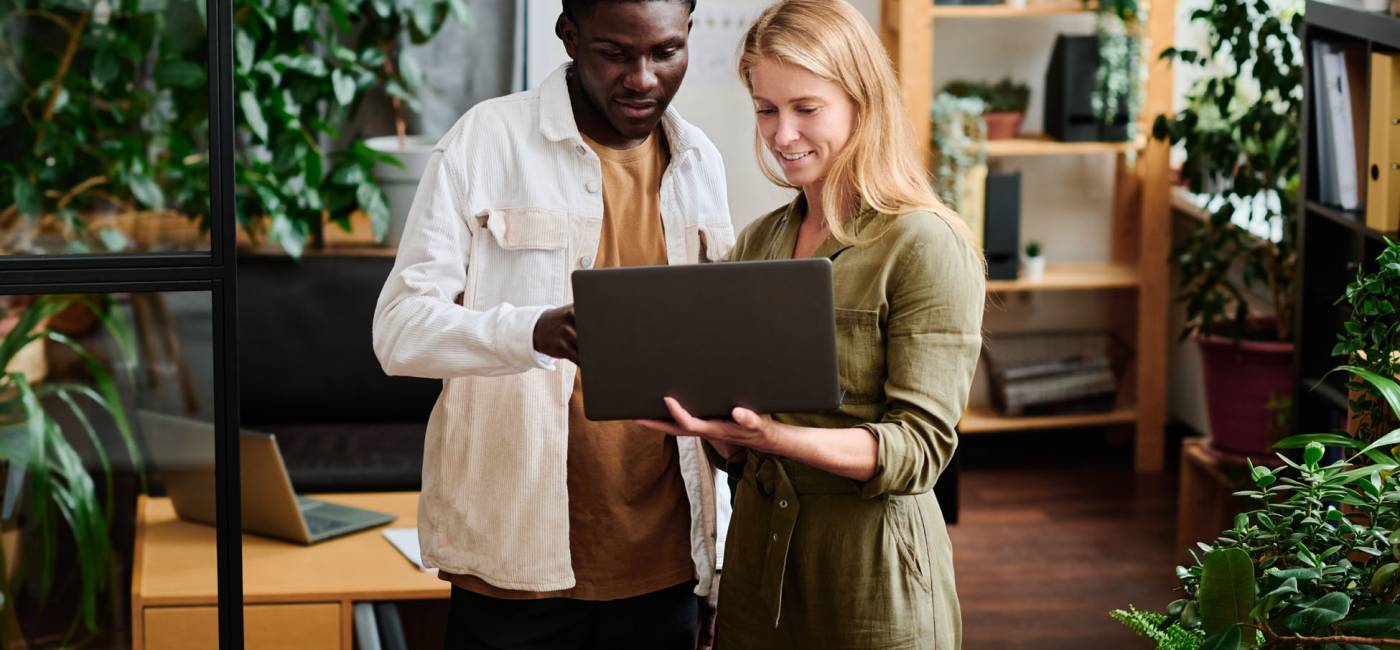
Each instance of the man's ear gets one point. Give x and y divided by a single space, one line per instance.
567 32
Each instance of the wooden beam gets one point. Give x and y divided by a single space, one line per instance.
1154 249
906 29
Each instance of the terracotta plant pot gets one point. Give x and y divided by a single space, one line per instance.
1241 379
1003 126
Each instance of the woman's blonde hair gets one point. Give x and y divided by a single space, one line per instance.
880 164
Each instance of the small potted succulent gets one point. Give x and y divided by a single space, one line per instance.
1005 101
1035 262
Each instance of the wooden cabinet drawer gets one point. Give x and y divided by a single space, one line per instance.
301 626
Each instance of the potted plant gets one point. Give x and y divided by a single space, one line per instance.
1370 338
1316 565
103 110
959 137
1118 82
1004 104
1239 132
297 81
1035 262
44 472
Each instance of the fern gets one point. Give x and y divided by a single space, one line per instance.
1151 626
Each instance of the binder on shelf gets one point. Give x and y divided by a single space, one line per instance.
1326 176
1383 172
1342 136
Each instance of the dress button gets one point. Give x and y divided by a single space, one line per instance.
782 503
585 262
775 537
592 187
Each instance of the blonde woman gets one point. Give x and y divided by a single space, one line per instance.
837 540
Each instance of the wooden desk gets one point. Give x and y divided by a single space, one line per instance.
294 596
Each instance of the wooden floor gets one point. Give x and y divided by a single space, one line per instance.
1056 531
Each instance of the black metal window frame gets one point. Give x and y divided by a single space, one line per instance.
215 272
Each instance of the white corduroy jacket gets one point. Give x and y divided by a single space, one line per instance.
510 204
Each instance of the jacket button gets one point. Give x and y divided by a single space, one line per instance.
592 187
582 151
585 262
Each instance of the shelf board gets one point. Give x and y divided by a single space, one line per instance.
985 419
1072 276
1040 145
1354 220
1004 11
1377 27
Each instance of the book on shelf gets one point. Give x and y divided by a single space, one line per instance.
1343 143
1383 172
1326 179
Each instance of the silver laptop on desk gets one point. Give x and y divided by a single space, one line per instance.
183 451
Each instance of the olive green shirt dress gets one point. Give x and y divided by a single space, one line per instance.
814 560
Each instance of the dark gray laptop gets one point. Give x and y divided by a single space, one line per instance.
714 336
183 450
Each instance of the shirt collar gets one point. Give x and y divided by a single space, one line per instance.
557 116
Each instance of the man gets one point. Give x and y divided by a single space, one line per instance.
555 531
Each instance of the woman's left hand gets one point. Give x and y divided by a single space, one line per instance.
747 428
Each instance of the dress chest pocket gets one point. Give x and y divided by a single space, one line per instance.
860 346
520 256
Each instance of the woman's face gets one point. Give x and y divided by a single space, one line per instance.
804 120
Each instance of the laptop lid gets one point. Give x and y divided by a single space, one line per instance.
183 449
714 336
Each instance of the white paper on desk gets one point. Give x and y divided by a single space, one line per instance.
406 540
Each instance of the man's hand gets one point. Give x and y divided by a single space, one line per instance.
555 335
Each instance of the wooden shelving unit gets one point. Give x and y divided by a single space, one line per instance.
1039 145
1135 275
982 419
1004 11
1072 276
1332 243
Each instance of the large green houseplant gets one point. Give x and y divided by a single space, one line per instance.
1239 133
47 486
104 110
1370 338
1316 564
299 79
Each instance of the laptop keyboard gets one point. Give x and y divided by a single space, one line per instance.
317 524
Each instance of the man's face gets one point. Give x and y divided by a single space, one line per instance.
629 59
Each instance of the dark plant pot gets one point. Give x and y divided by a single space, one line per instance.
1241 379
1003 126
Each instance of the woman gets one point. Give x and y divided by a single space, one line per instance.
836 540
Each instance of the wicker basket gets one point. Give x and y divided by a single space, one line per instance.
1055 372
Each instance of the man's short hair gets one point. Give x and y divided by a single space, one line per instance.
572 8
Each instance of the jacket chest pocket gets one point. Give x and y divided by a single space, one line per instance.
860 346
520 256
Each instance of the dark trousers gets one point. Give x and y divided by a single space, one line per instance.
661 620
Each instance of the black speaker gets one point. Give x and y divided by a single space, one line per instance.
1069 93
1001 231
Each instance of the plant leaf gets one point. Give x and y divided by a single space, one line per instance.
344 86
252 112
1227 589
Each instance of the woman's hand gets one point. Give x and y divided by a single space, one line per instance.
746 429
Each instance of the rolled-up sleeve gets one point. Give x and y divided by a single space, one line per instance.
933 339
419 328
